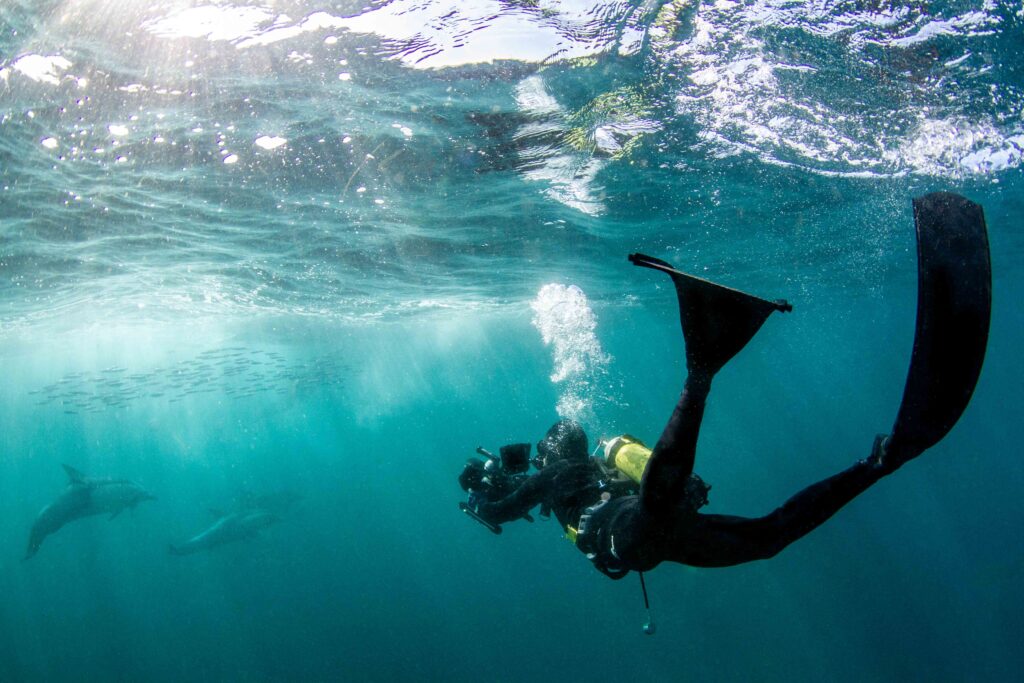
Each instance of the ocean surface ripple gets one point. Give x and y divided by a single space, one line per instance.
370 160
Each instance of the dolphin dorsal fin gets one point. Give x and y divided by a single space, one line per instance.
74 476
216 513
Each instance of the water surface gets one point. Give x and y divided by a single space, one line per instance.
329 248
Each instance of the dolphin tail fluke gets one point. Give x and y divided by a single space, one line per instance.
35 540
173 549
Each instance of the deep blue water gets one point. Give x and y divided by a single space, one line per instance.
329 248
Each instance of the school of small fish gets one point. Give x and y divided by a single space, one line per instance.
235 372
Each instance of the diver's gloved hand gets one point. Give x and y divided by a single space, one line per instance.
476 499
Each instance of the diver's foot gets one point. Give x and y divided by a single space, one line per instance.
886 459
880 458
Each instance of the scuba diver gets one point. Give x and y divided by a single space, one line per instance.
494 478
636 507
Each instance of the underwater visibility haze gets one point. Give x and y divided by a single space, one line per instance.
272 270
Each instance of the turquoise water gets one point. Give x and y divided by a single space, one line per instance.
326 249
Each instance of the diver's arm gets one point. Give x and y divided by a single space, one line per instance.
530 493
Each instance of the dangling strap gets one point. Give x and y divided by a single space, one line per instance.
649 627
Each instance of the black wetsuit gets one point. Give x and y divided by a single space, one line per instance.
565 488
637 532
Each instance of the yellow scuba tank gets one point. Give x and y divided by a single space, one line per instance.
628 455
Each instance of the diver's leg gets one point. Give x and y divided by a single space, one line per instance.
664 481
717 322
725 540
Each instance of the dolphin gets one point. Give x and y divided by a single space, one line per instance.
229 528
84 497
278 502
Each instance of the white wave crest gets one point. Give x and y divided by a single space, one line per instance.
914 92
959 147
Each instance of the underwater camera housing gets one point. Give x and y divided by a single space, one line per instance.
494 478
502 474
496 475
515 458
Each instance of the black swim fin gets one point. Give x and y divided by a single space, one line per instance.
717 321
954 303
